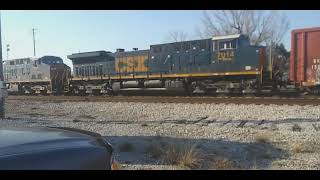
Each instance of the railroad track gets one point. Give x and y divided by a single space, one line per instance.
175 99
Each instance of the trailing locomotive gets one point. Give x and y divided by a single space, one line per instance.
45 75
221 64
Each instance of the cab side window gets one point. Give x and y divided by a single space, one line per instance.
224 45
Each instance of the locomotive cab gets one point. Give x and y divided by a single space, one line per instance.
234 53
241 63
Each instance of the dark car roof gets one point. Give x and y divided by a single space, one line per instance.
21 140
53 149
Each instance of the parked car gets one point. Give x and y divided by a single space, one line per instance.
53 148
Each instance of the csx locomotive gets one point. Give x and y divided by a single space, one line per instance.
44 75
221 64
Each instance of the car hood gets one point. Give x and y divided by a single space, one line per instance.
22 140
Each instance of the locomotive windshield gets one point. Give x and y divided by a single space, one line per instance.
51 60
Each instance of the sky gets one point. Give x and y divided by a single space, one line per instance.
61 33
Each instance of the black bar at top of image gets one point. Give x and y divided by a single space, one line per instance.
158 5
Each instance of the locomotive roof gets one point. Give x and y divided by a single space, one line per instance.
33 58
129 53
232 36
306 29
89 54
180 42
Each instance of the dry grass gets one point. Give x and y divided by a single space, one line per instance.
262 138
297 148
126 147
184 155
296 128
304 148
116 166
223 164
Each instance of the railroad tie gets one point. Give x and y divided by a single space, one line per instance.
207 122
242 123
200 119
316 127
261 122
226 122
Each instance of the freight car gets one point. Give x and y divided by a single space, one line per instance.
221 64
45 75
305 59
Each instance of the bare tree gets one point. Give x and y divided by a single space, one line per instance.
177 36
260 26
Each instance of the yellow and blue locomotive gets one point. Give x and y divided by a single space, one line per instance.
221 64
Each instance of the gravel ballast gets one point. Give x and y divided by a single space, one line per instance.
252 136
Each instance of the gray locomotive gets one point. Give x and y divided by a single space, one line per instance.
45 75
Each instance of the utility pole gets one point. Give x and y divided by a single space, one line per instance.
8 49
2 111
34 43
271 60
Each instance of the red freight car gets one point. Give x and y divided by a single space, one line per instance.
305 57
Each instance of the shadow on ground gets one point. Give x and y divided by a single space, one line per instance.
253 155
